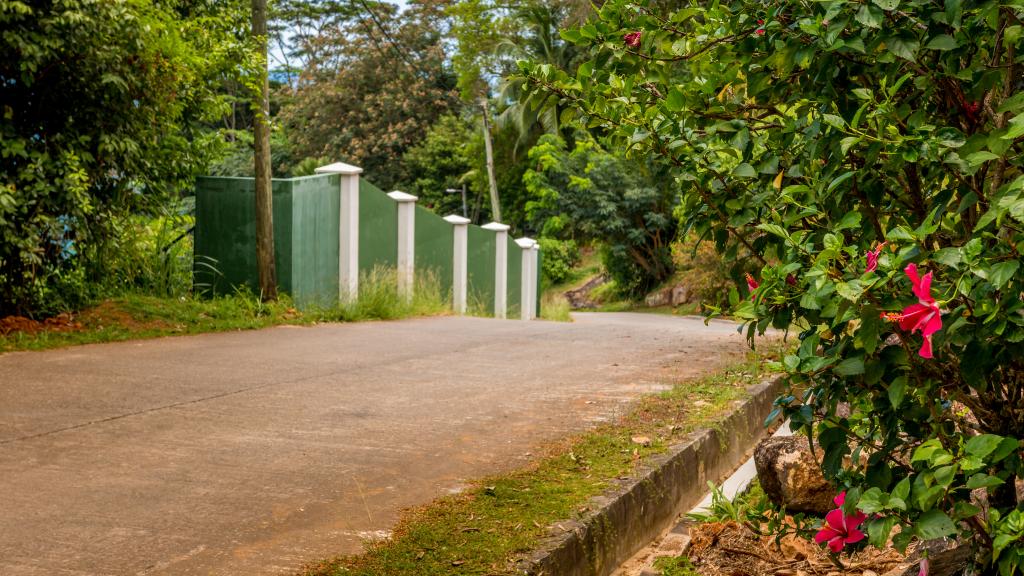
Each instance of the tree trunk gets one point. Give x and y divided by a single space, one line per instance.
488 148
261 136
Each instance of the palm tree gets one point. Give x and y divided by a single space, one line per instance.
536 113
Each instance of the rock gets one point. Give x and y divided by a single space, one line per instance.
641 440
659 298
680 295
791 477
946 556
579 299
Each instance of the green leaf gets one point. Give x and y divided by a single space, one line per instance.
897 390
934 524
942 42
981 480
850 220
745 170
887 5
1016 127
851 290
978 158
1001 273
834 121
675 100
870 16
982 445
902 47
839 180
850 367
879 530
846 143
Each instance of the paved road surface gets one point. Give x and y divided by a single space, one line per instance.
256 452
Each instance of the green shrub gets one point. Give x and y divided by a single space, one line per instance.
868 158
560 257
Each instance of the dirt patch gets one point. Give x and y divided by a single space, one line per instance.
733 549
107 314
110 314
65 322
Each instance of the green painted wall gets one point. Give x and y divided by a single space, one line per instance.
306 216
314 263
378 228
515 278
434 248
225 236
480 253
305 236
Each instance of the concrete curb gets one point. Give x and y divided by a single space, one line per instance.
626 519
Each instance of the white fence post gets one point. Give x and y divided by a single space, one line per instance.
500 268
535 284
406 242
348 228
527 290
460 261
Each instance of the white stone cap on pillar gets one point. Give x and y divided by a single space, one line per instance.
456 220
339 168
496 227
525 243
399 196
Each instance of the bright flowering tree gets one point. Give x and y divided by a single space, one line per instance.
862 159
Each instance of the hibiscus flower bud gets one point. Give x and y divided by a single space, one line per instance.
633 39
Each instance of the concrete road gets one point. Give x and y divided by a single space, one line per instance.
256 452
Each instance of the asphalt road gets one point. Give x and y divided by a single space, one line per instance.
256 452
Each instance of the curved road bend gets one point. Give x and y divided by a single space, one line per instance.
256 452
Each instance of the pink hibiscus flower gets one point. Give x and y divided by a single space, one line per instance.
925 316
840 529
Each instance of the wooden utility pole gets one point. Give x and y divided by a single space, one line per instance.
261 137
488 148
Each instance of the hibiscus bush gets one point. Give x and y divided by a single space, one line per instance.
867 156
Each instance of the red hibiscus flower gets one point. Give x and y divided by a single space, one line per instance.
759 31
840 529
751 285
925 316
633 39
872 257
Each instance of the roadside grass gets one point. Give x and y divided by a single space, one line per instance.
137 316
674 566
554 306
486 528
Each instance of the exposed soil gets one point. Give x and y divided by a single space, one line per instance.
65 322
732 549
104 315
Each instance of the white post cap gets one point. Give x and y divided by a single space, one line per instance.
496 227
456 220
525 243
339 168
399 196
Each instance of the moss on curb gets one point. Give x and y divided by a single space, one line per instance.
498 520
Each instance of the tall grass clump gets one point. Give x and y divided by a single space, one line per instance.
554 306
379 298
